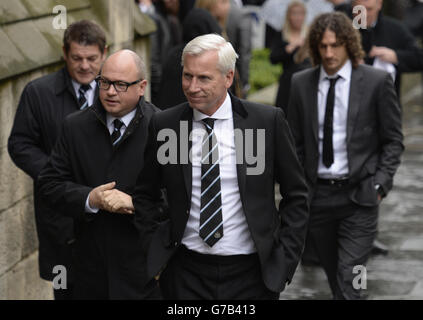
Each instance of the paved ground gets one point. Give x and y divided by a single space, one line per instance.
399 275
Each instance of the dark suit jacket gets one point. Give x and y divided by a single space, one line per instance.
392 34
106 248
278 234
44 104
374 137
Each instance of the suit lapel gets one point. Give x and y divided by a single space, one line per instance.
239 119
187 115
314 89
356 91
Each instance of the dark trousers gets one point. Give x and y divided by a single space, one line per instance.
343 233
194 276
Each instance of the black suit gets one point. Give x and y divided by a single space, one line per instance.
44 104
108 262
278 234
374 147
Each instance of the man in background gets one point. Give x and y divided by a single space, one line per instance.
44 104
346 123
92 170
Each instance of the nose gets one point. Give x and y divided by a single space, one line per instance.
193 86
85 65
111 91
329 52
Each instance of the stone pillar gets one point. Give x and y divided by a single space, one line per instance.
118 17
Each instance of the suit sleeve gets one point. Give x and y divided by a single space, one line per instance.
410 56
25 144
294 209
147 193
390 133
56 180
295 121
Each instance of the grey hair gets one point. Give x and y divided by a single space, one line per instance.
213 42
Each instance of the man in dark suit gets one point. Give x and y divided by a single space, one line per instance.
92 170
44 104
388 44
346 123
223 237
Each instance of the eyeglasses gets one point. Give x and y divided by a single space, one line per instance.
120 86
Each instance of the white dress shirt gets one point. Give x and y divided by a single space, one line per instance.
236 234
339 167
126 119
89 94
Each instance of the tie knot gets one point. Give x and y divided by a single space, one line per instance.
118 124
333 80
209 122
84 88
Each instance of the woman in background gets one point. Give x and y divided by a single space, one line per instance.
288 48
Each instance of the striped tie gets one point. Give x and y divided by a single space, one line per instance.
116 131
211 223
82 101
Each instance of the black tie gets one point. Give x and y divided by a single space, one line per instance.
328 126
211 223
116 131
82 101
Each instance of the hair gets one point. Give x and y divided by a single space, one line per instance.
213 42
346 34
209 6
85 33
286 29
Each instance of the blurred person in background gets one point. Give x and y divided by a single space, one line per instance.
239 31
388 44
288 48
197 22
168 35
220 9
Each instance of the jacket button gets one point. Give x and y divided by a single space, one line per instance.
175 244
187 211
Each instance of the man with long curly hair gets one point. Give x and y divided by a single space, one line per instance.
346 122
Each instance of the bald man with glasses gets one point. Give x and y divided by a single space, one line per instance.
92 170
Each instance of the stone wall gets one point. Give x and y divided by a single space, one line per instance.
30 48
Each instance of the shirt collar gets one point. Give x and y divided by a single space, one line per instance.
344 72
223 112
77 85
126 119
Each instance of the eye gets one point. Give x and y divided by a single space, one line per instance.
187 76
120 85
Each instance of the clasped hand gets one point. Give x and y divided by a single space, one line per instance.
105 197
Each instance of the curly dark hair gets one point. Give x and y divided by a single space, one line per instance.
346 34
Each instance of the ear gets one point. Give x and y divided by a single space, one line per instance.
229 78
141 87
